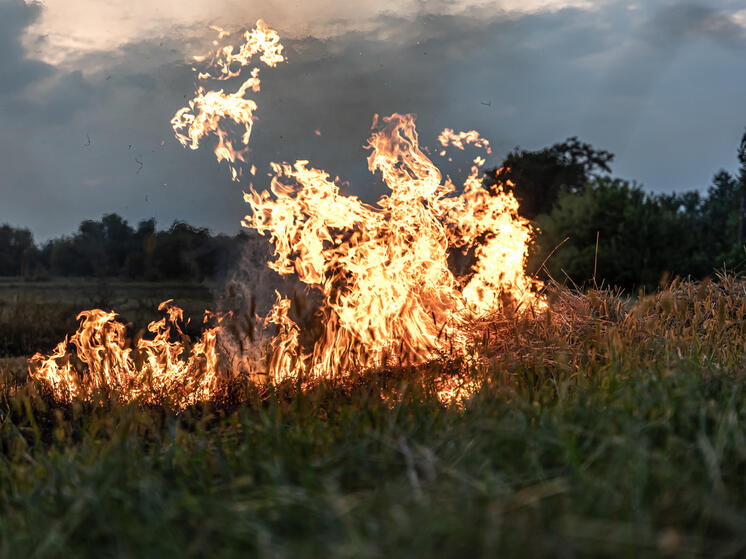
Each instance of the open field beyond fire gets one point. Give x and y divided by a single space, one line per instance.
605 426
34 316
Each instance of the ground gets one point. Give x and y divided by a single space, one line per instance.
610 426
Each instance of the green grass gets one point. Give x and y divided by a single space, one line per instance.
606 428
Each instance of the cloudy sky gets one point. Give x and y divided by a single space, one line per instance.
88 87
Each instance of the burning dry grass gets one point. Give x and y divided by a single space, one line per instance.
388 297
586 334
577 335
388 294
605 425
583 334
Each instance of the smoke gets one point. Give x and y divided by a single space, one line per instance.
676 24
251 284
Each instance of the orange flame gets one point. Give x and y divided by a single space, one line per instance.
390 294
383 270
458 139
156 370
207 109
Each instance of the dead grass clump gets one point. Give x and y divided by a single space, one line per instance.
582 333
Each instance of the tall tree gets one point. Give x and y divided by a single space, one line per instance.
119 242
17 251
627 237
719 218
540 176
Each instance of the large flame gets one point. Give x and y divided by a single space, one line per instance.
389 294
383 270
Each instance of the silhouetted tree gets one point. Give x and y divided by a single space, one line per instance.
539 177
719 219
178 252
138 263
119 242
17 251
742 187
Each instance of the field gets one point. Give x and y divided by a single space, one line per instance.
34 316
609 426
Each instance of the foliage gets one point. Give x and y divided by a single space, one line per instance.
112 248
539 177
640 237
17 251
627 237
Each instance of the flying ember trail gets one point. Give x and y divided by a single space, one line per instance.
389 294
206 111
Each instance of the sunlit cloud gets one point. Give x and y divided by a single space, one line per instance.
740 18
69 30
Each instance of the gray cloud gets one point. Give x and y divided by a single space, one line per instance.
668 92
675 24
30 89
662 87
17 71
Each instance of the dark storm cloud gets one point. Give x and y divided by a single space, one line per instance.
33 92
625 80
677 23
16 70
669 91
664 32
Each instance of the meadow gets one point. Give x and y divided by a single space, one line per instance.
35 315
608 426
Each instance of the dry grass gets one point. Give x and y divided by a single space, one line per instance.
582 333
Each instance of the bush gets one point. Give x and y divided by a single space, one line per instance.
641 240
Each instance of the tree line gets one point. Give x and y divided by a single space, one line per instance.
590 226
110 247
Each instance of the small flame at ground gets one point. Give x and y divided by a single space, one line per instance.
98 360
390 294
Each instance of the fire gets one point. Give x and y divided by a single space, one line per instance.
390 292
383 270
157 368
206 111
458 139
